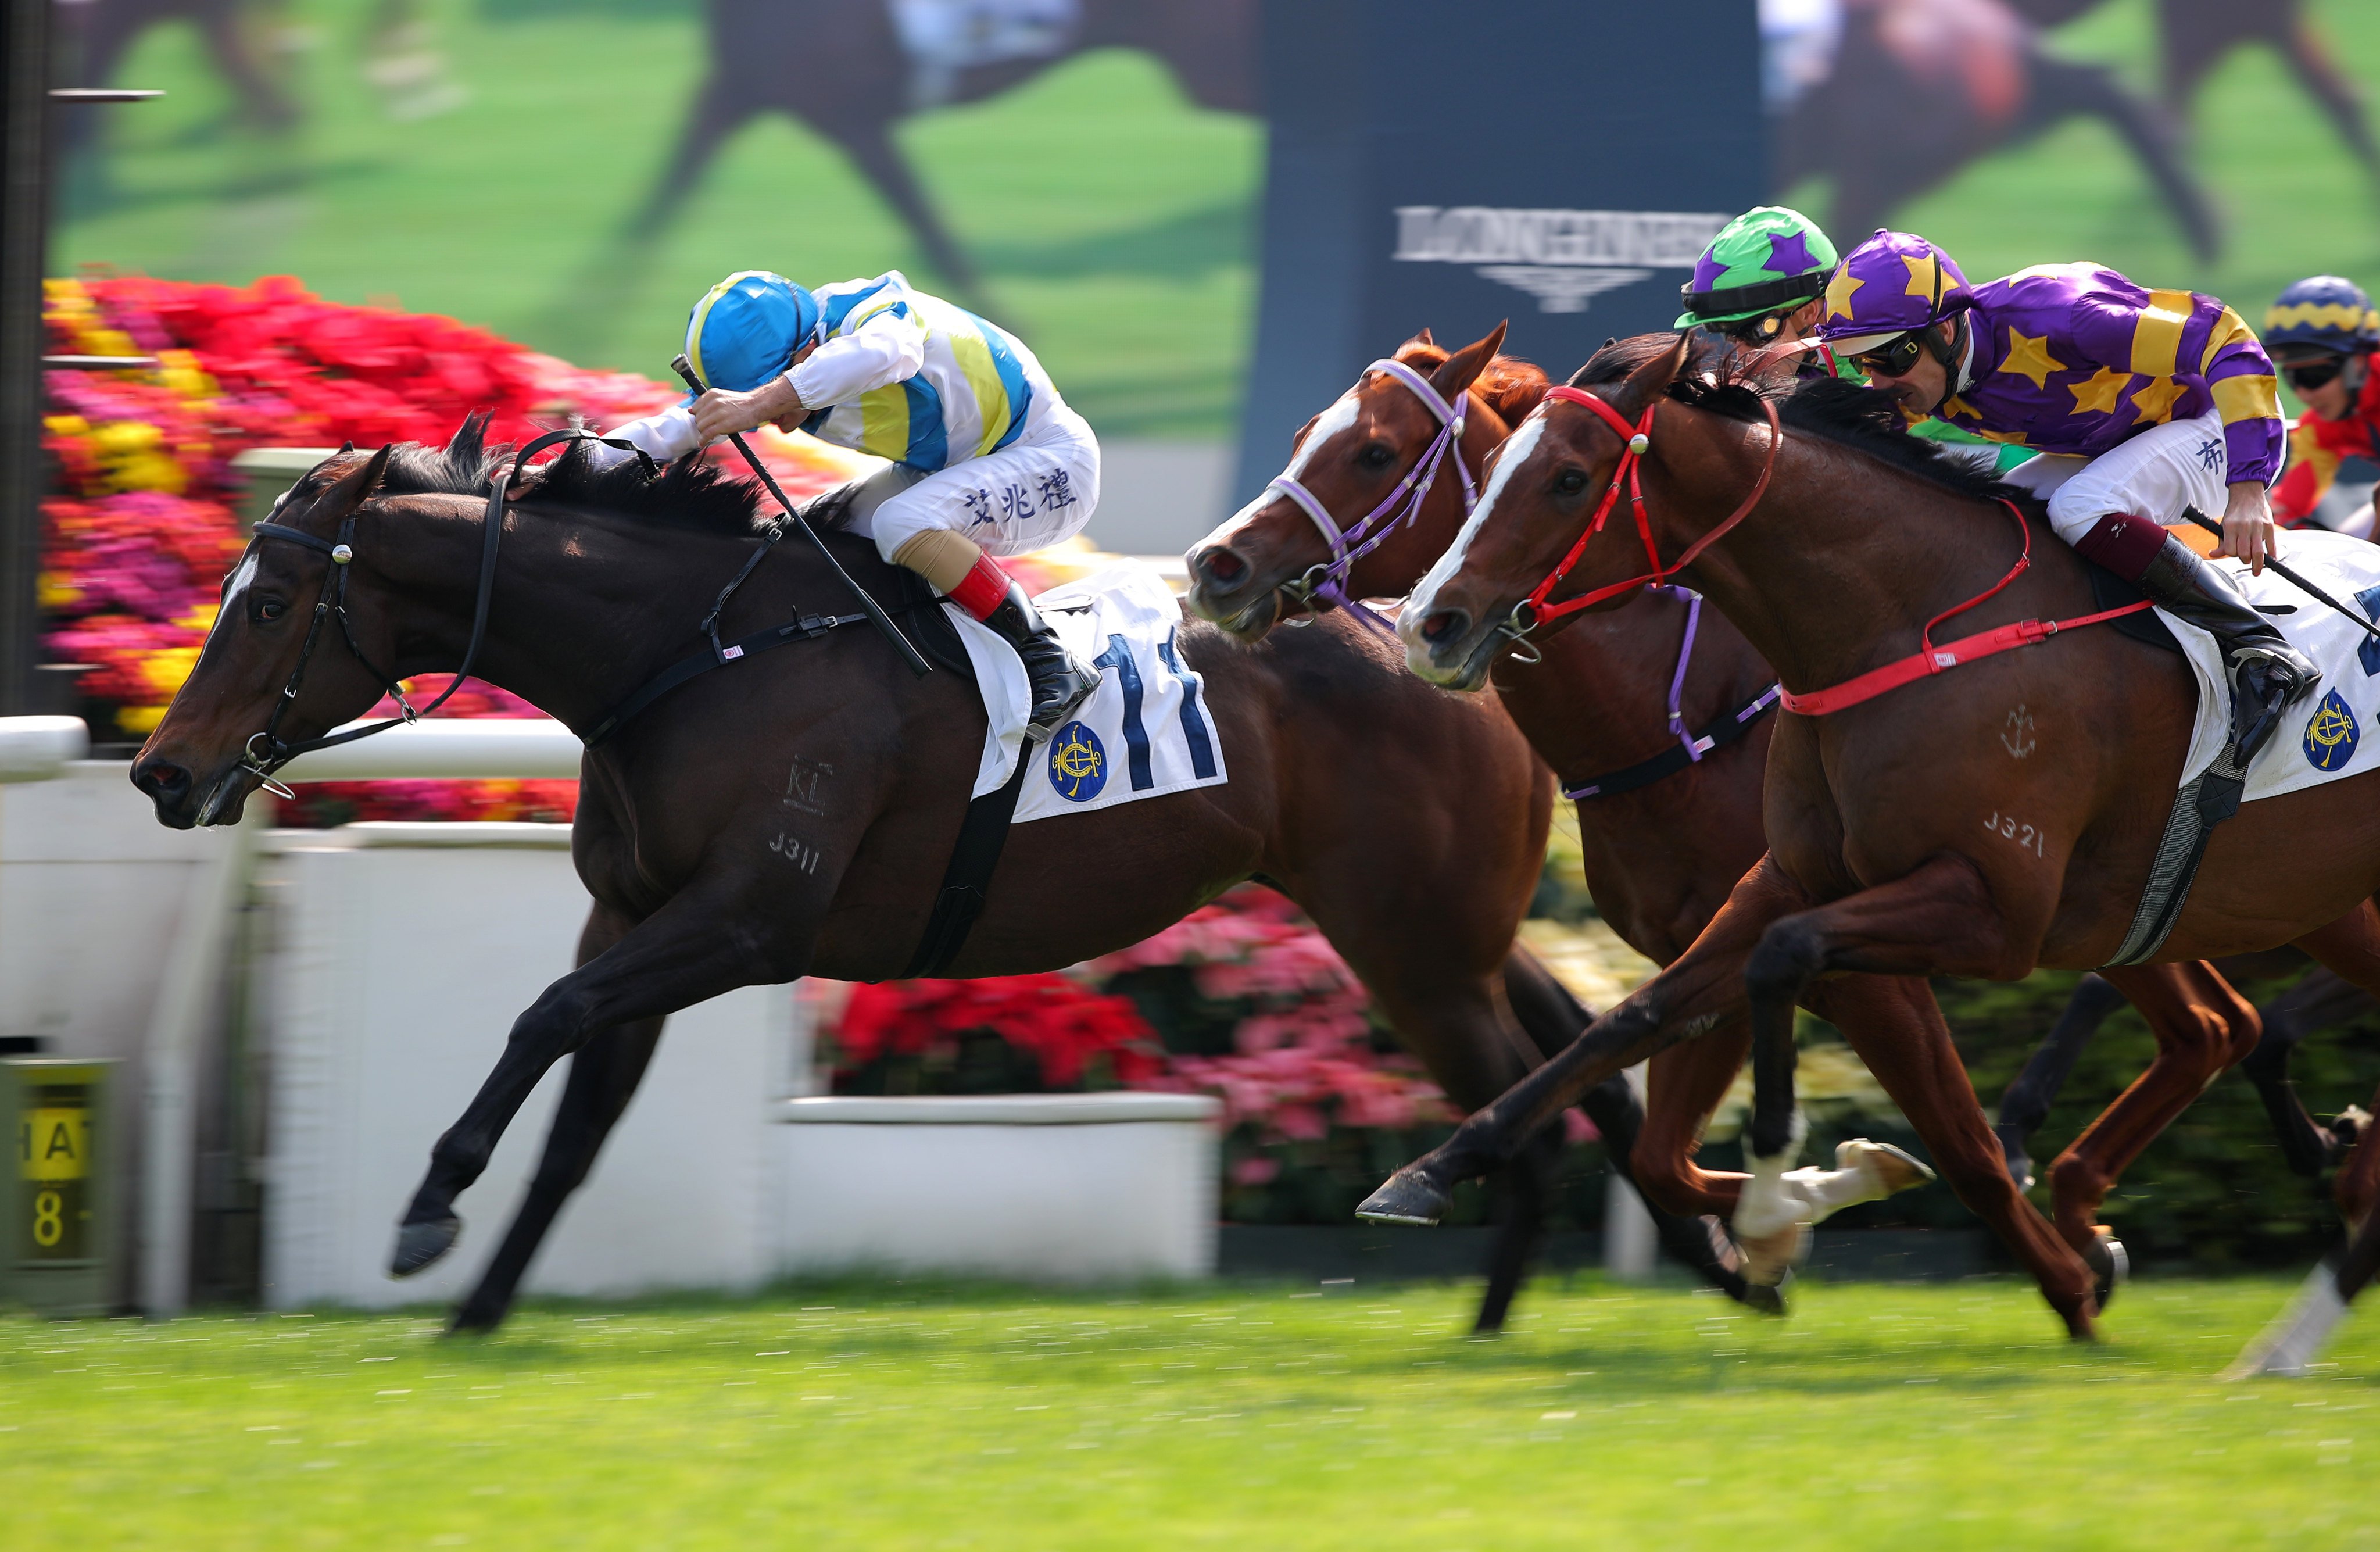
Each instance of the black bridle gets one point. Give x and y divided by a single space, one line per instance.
265 752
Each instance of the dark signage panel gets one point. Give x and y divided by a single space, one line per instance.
1557 163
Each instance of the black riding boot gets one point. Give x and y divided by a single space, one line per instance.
2267 674
1060 684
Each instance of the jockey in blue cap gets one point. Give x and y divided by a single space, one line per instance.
986 459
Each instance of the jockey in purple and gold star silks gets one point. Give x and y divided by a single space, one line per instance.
2140 403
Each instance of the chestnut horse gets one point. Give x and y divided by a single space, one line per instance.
600 580
1831 549
1660 857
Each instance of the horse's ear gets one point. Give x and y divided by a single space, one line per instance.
349 445
1652 380
469 437
357 489
1460 370
1299 440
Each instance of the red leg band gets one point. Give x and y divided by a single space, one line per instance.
2123 543
981 590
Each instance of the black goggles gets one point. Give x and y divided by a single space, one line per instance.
1751 330
2310 375
1897 359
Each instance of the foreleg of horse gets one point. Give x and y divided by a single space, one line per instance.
1529 1193
1682 1219
233 44
2349 948
2202 1027
603 1077
681 956
2318 1001
1687 1000
1939 918
2320 75
2061 89
717 112
2026 1103
1683 1086
880 161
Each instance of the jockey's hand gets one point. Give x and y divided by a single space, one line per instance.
2248 531
721 413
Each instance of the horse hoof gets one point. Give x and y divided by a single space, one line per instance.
419 1244
1768 1298
1769 1259
473 1321
2111 1266
1408 1197
1895 1168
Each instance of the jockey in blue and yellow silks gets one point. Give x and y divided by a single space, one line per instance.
986 459
2140 403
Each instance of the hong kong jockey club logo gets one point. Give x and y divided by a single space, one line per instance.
2330 735
1560 257
1078 766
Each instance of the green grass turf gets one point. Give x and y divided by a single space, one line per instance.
871 1416
1112 218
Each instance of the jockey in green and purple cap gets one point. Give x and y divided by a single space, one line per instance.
2140 403
1761 282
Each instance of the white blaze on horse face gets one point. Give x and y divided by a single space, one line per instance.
1339 417
233 595
1508 460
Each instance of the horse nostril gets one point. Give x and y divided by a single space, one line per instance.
1447 625
1220 567
161 779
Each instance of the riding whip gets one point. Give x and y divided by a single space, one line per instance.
918 663
2211 525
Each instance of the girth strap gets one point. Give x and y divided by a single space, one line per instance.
967 881
1718 733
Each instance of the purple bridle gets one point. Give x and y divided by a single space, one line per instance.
1327 579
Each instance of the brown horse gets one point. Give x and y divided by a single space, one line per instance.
838 66
1831 550
704 878
1661 856
1920 88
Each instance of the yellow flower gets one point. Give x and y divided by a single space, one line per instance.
166 669
178 369
66 425
201 619
120 439
108 342
142 720
149 471
55 591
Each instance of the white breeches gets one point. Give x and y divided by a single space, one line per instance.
2155 475
1036 491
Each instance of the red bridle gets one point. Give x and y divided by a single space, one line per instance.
1636 441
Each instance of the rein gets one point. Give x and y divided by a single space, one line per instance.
1930 660
1327 579
265 753
1637 441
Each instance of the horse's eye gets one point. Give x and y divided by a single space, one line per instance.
270 608
1378 454
1570 482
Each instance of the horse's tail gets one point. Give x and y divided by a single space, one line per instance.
2061 89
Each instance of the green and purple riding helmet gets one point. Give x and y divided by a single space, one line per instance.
1761 267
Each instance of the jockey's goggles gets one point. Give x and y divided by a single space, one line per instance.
2307 376
1762 329
1896 358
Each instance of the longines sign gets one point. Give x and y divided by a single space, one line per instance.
1560 257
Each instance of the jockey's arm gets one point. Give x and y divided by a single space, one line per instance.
886 347
2239 379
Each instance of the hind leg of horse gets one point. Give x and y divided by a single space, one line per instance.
2337 97
2062 89
603 1077
236 54
2202 1028
1694 995
2320 999
1939 918
871 148
2026 1103
2349 948
676 957
1643 1144
717 112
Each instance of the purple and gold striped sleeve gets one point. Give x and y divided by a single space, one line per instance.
2239 376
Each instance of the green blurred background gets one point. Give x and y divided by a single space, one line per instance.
1113 220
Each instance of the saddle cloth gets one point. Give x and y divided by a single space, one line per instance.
2332 733
1144 733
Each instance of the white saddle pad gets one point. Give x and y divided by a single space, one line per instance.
1144 733
2331 733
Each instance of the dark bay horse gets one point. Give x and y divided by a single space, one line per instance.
1660 857
1331 749
838 67
1830 548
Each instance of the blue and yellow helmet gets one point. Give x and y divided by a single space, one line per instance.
745 328
2320 315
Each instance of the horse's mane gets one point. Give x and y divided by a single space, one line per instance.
1510 386
689 495
1724 381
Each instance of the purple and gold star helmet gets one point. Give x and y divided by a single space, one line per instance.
1889 286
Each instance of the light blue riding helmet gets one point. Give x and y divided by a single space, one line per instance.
745 328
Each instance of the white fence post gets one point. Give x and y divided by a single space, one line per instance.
1629 1241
